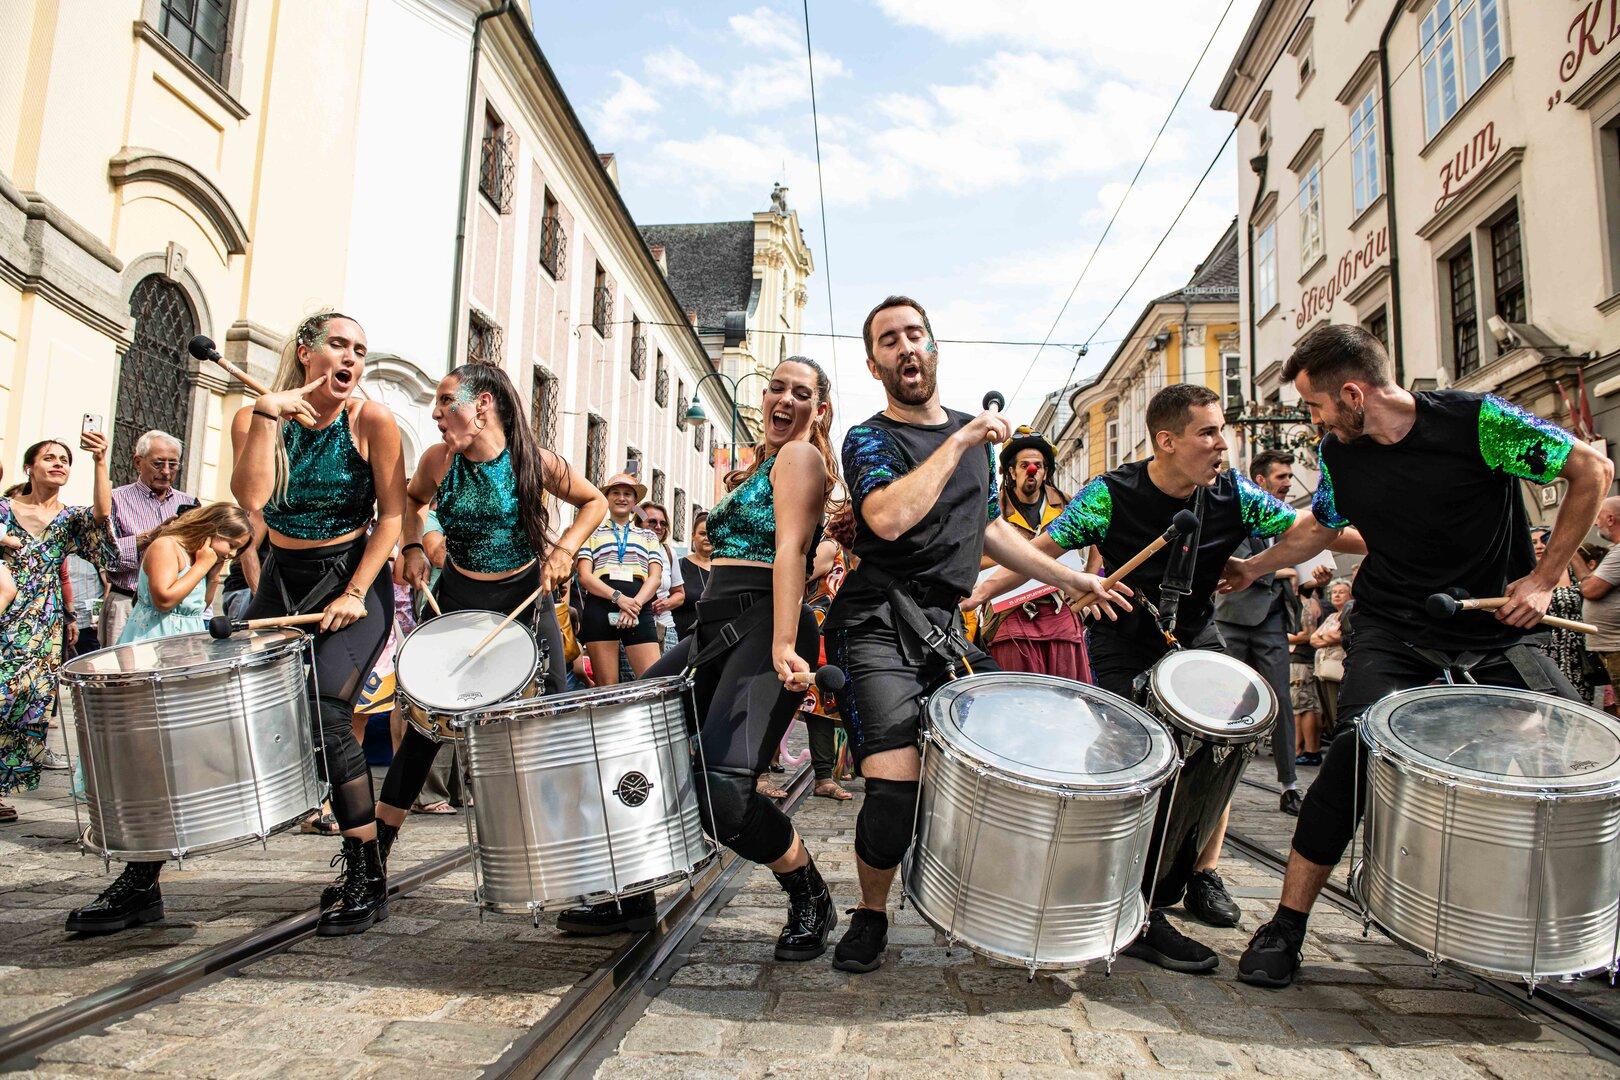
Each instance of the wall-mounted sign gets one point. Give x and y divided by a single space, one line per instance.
1318 299
1467 164
1595 27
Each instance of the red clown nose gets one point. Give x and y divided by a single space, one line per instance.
1031 468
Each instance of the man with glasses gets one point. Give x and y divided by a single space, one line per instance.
138 510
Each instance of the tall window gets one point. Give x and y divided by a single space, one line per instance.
1461 46
602 303
153 390
632 461
638 349
678 516
547 408
484 340
1377 325
199 29
497 163
553 240
1507 267
658 486
1111 444
661 381
595 449
1464 313
1265 268
681 405
1310 215
1232 378
1364 151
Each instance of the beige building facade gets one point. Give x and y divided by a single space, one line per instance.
1445 173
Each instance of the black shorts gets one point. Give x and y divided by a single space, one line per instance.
883 698
597 622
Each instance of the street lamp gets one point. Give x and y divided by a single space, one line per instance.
695 413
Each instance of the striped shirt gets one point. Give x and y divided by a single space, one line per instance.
622 552
137 509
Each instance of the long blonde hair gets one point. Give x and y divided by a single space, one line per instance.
820 437
290 375
194 527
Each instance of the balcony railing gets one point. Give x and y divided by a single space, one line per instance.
602 311
661 386
638 356
497 169
553 246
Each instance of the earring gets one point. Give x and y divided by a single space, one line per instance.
480 421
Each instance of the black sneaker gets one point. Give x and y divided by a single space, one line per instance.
638 913
1208 901
1164 945
131 900
861 948
1309 757
1272 958
1289 803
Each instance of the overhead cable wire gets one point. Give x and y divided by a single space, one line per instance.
821 191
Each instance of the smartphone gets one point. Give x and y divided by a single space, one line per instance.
92 424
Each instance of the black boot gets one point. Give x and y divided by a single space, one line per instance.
638 913
129 901
811 915
364 899
386 834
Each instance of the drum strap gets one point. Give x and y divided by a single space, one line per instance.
920 637
1178 573
337 567
1459 668
739 616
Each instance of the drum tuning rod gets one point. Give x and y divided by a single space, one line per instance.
203 348
1183 524
1443 606
520 609
222 627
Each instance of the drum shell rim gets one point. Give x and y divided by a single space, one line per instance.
175 854
1173 719
399 683
1063 791
552 704
1423 768
273 652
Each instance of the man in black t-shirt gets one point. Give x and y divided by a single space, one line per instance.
1120 513
1432 482
923 489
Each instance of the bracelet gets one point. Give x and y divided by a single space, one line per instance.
356 592
412 544
272 417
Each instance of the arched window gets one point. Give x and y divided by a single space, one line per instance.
153 391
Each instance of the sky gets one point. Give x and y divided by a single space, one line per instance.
972 153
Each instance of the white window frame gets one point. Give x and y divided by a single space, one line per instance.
1312 242
1366 181
1462 45
1265 267
1111 444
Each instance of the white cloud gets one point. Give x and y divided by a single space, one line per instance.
760 88
622 115
672 67
767 29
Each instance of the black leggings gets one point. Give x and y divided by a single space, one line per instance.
297 582
743 710
456 591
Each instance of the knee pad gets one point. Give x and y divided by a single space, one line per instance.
743 819
886 823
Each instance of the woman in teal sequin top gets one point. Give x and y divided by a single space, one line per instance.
764 534
487 482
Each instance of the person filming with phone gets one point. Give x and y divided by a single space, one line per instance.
139 510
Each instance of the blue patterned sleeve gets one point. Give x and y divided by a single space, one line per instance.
995 484
1324 506
871 459
1264 514
1521 443
1086 519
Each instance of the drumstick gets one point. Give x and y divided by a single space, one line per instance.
532 597
1441 606
1182 524
221 627
427 594
203 349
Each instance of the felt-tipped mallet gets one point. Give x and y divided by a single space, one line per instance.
203 348
222 627
1444 606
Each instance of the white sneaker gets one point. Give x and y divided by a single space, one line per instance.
53 760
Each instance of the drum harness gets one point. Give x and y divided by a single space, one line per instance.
1178 572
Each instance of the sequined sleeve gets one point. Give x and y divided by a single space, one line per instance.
1520 443
1264 514
1324 506
871 459
1085 520
995 486
89 539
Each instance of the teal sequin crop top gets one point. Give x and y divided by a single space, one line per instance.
743 525
330 489
478 507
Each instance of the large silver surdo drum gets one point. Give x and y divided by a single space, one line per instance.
191 744
583 797
1492 834
1037 801
437 682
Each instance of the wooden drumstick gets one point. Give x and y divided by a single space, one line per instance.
1183 523
221 627
432 602
1441 605
504 623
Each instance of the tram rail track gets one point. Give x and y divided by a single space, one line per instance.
1593 1027
590 1010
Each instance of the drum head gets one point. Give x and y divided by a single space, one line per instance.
182 651
1212 696
433 670
1506 740
1051 731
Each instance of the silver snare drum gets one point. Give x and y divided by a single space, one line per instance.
437 683
1492 833
1034 815
1211 697
191 745
583 796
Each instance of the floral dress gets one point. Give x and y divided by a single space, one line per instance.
31 632
1566 646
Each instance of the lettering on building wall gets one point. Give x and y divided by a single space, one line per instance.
1468 164
1318 299
1595 27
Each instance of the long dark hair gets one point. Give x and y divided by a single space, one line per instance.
528 466
820 436
27 486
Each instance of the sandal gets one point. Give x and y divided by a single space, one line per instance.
440 807
8 813
829 789
319 823
764 786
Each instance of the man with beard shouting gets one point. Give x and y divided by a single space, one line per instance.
1462 456
923 488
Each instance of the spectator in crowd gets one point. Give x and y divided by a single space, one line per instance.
619 569
694 569
1328 641
87 589
1303 693
138 510
1253 624
1602 606
671 587
1566 647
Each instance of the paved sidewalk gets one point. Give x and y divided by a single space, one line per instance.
1364 1008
